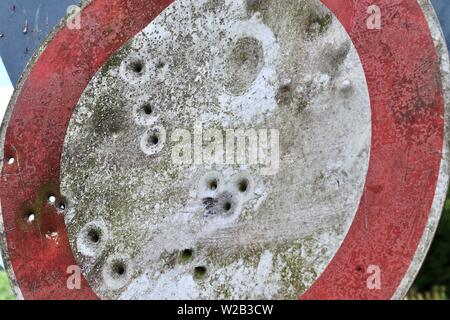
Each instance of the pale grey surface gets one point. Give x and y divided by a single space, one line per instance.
307 82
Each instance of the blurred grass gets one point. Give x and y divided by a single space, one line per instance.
5 289
433 280
436 293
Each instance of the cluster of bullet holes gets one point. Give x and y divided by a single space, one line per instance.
135 69
59 205
30 216
224 199
153 139
145 114
199 272
91 242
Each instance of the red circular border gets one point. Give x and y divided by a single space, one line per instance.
402 71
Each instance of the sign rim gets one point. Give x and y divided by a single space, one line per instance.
442 178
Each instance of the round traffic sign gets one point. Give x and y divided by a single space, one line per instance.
227 149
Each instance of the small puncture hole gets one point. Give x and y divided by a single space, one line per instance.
213 184
11 161
30 217
199 272
243 185
93 236
227 206
147 108
51 199
119 269
153 139
137 66
186 254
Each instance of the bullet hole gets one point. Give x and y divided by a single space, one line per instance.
119 269
221 205
51 199
200 272
186 254
213 185
30 217
359 269
94 236
153 139
137 66
2 35
227 206
11 161
62 206
147 109
243 185
134 69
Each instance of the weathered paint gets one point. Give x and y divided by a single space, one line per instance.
16 48
406 151
152 209
40 264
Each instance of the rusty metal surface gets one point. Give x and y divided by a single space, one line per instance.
88 175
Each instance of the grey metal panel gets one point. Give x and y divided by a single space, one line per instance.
24 24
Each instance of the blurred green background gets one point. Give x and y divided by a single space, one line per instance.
433 282
5 290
